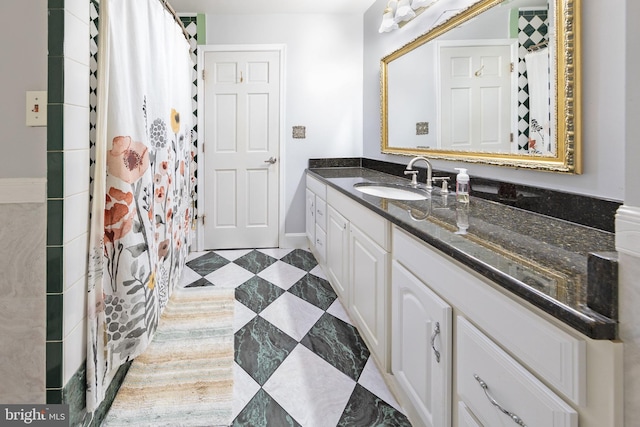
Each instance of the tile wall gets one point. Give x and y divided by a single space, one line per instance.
68 192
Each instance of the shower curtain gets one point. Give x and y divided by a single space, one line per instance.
140 215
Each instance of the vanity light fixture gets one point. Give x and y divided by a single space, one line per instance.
399 12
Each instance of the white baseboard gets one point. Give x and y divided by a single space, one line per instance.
294 241
23 190
628 230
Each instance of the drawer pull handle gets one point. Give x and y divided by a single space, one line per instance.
436 332
516 419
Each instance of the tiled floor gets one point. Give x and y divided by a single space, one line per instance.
298 359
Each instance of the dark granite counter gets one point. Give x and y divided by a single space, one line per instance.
541 259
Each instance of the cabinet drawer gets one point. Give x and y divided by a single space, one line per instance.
317 187
321 243
485 373
321 213
553 354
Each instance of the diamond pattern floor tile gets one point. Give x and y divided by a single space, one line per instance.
314 367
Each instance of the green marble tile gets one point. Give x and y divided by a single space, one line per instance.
74 395
55 218
260 348
56 32
56 4
99 414
54 365
55 315
255 261
339 344
257 293
55 174
366 409
207 263
55 127
54 269
262 410
55 79
314 290
300 258
54 396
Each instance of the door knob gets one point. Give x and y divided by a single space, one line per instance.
271 160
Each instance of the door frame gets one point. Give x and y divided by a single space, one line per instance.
201 167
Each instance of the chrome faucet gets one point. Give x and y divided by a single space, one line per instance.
414 173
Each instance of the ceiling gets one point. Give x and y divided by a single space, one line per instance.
270 6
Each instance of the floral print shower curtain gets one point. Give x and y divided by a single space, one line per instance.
141 210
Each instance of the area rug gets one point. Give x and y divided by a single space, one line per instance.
185 376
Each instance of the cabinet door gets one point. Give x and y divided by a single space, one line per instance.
368 297
338 253
310 219
421 346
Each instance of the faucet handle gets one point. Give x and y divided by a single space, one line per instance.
414 176
445 187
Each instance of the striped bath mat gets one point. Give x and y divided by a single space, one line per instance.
185 376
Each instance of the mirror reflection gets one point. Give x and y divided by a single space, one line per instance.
483 87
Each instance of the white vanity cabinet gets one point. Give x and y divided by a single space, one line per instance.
316 217
358 266
338 253
421 355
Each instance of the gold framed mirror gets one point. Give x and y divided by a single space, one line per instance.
496 83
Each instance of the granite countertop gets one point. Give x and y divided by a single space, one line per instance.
536 257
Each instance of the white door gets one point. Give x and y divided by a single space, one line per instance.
421 334
476 98
241 137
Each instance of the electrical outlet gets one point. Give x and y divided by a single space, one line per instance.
36 110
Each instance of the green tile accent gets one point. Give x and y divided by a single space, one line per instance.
55 314
54 270
55 210
56 32
55 127
56 4
55 175
54 396
513 23
55 79
201 35
54 365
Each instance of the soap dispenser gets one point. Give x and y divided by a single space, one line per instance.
462 186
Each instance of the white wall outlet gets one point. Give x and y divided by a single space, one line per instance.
36 108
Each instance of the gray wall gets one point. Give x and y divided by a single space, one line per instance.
23 31
603 92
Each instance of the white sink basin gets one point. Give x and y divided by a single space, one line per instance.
391 191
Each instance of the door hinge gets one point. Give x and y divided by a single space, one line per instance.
203 148
203 217
511 137
513 67
204 75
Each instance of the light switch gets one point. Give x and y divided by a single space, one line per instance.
36 108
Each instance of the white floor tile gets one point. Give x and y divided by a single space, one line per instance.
372 380
195 254
244 388
318 271
233 254
282 274
337 309
188 276
277 253
241 315
229 276
309 389
292 315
